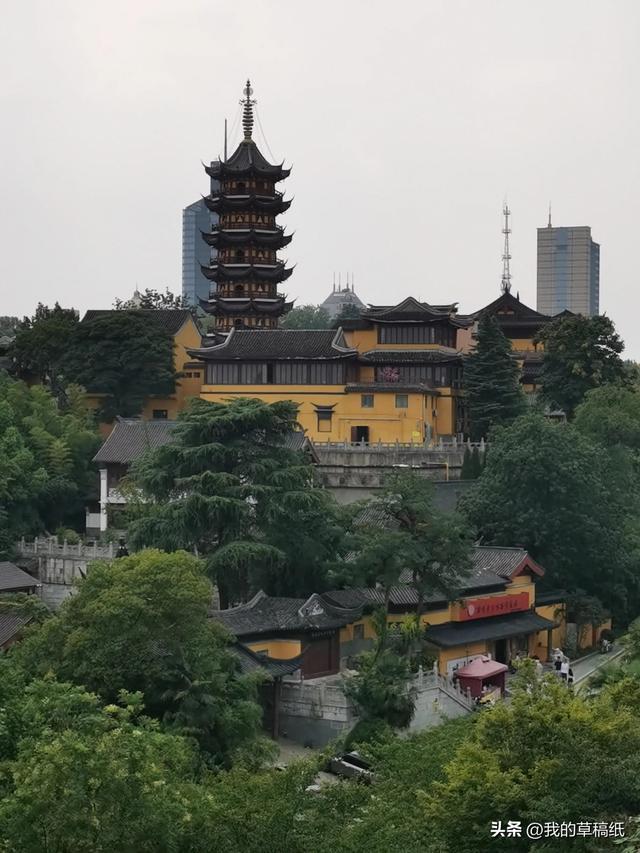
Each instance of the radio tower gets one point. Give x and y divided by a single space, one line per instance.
506 256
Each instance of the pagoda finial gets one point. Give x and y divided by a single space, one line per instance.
247 113
506 256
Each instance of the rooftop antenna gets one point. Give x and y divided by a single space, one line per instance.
347 281
225 140
549 222
339 281
334 282
506 257
247 113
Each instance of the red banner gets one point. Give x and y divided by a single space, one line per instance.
498 605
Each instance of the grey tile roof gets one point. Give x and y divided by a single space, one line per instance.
493 628
252 662
13 579
171 319
266 614
279 345
500 560
11 624
130 437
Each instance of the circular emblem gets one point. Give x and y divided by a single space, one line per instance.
471 610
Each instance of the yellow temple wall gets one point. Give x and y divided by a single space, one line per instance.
386 422
279 649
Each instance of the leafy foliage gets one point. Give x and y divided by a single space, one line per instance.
141 624
229 489
151 298
545 486
125 356
491 380
580 353
610 416
306 317
45 458
8 325
41 342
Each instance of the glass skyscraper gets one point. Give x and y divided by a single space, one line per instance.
196 218
568 271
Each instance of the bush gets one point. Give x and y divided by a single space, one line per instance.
368 731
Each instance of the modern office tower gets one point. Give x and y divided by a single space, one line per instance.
196 220
568 271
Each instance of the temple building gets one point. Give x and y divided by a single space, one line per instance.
246 271
392 374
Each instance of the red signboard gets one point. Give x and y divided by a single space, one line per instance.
498 605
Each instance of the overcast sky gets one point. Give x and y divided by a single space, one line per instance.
407 125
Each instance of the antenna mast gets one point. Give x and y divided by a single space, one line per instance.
506 256
225 140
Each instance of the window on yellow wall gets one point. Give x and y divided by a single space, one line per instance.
366 401
358 632
402 401
324 415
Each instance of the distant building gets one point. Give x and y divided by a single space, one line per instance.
568 271
339 299
196 220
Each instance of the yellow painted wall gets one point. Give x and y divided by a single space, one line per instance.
279 649
446 655
386 422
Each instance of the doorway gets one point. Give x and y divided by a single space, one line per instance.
360 435
501 651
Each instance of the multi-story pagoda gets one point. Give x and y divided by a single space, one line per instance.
246 271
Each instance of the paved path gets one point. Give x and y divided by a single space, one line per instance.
586 666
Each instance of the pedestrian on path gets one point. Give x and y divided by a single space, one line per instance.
564 669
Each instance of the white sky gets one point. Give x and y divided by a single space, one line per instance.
407 124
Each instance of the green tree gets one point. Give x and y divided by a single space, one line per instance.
610 416
306 317
50 456
41 342
546 487
125 356
580 757
349 311
380 688
491 380
141 624
8 326
228 488
151 298
580 353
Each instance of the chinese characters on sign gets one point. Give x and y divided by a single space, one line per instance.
553 829
499 605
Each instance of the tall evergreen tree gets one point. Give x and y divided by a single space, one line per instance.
491 380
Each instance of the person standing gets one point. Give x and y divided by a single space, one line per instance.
564 669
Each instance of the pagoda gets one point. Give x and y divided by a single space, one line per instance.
246 271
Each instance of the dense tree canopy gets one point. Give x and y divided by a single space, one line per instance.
45 458
125 356
306 317
610 416
141 624
547 487
41 342
8 325
229 488
580 353
491 380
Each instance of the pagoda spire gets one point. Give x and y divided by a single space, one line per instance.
247 113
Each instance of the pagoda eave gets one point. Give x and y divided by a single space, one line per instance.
219 171
246 272
224 307
252 236
252 202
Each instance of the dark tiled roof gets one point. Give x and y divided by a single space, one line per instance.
552 596
13 579
252 662
266 615
279 345
171 319
398 356
410 309
11 624
532 367
493 628
508 310
130 437
503 561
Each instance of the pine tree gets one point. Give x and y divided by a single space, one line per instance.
491 380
